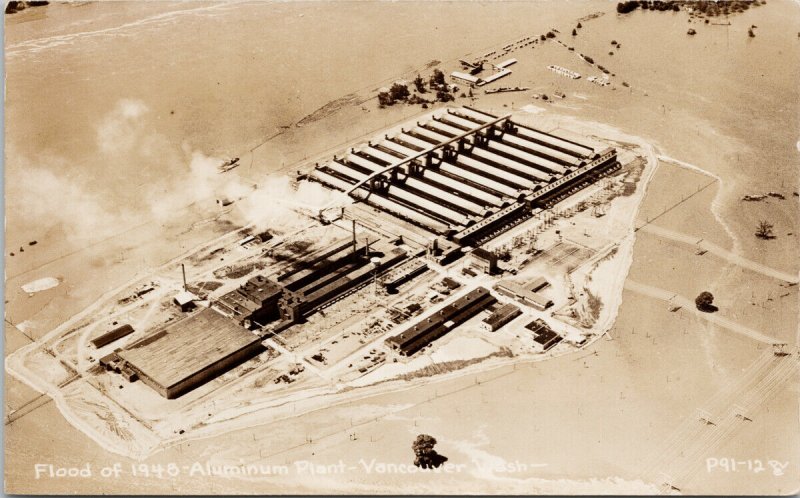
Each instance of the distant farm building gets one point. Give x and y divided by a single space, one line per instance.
465 78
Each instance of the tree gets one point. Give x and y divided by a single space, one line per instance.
399 92
437 78
419 84
704 301
425 456
625 7
764 230
579 26
385 99
574 32
444 96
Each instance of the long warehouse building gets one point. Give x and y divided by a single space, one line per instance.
441 322
465 174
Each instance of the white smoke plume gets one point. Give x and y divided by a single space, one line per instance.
276 202
135 174
42 195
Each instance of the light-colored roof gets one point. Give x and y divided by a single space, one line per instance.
185 297
464 76
497 76
507 63
187 347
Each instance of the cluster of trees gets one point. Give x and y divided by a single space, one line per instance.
704 7
419 84
397 92
424 455
16 6
549 34
631 5
504 253
712 9
401 93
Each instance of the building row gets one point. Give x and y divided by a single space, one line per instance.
465 174
207 343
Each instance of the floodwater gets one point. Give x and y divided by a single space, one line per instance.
108 102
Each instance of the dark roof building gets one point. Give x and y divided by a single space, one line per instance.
114 335
501 316
543 334
441 322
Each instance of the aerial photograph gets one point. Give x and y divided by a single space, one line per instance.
402 247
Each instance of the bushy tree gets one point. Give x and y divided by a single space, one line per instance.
437 78
574 32
444 96
399 91
704 301
625 7
419 84
384 99
424 455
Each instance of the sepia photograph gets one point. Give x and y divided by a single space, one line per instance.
367 247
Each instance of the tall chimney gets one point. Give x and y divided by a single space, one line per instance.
354 236
183 270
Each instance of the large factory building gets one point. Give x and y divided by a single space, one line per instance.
466 174
190 352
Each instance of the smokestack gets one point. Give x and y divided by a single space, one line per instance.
367 255
354 237
183 270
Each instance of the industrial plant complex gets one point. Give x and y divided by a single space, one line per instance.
438 190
